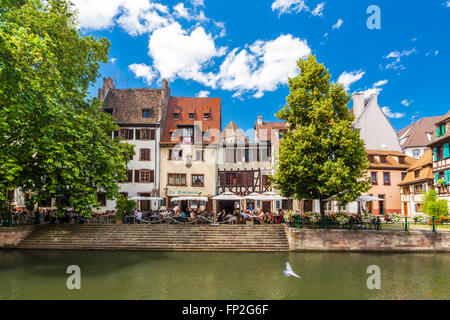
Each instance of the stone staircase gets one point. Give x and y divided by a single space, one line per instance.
158 237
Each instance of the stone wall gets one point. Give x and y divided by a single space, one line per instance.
376 241
10 237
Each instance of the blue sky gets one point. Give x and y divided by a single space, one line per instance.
243 51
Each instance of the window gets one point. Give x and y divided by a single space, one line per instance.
145 134
198 180
126 134
144 155
175 155
199 155
177 180
416 153
101 198
147 176
129 177
176 116
424 187
402 160
417 174
383 159
327 206
109 111
405 190
231 179
417 189
371 159
191 116
188 135
147 113
206 116
387 178
374 178
229 155
206 135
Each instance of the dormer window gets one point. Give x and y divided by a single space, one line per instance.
206 116
401 160
417 174
371 159
147 113
191 116
176 116
383 159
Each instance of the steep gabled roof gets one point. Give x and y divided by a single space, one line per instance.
416 133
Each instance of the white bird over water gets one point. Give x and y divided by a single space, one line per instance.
289 272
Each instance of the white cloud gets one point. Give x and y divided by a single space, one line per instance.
143 71
97 14
318 11
376 88
263 67
203 94
181 10
188 14
393 115
113 60
288 6
177 53
348 78
407 103
446 4
198 3
338 24
397 56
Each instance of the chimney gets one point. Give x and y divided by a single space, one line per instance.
374 97
108 85
358 104
260 120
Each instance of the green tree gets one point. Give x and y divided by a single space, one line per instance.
321 155
53 139
433 206
123 204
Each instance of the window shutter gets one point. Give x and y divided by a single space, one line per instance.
438 132
137 176
152 176
152 134
446 151
447 177
436 177
131 134
138 134
435 154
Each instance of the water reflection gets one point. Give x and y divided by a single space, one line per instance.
153 275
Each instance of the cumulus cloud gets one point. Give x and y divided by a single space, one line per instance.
376 88
113 60
203 94
406 103
348 78
263 66
318 11
338 24
178 53
393 115
143 71
288 6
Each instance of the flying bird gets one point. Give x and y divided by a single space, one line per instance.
289 272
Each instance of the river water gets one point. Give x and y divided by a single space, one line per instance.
229 276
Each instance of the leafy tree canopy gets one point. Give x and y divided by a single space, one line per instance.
433 206
322 154
53 140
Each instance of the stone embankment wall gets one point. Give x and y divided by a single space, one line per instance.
366 241
10 237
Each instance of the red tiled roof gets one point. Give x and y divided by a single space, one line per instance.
185 106
265 130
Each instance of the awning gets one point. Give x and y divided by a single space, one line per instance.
254 196
367 198
272 196
230 196
190 199
145 198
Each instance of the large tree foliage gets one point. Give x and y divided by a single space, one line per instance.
322 155
53 140
433 206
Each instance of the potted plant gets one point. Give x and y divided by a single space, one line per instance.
124 205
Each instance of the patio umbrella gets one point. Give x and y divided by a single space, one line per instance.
254 196
367 198
205 199
272 196
228 196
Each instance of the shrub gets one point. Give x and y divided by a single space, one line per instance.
367 217
420 219
393 217
122 204
313 217
342 218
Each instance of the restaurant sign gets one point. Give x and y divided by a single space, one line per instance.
183 193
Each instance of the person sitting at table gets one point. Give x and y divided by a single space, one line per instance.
221 216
